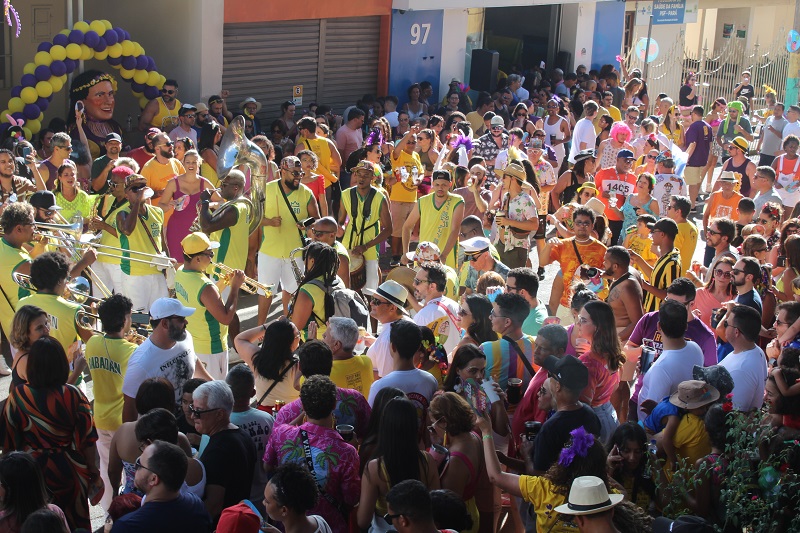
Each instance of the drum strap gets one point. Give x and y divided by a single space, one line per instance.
365 215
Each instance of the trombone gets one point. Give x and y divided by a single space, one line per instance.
250 286
75 290
157 260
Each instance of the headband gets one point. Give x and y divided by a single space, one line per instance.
94 81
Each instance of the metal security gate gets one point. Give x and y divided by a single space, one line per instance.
335 60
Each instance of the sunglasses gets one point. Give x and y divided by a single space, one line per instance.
518 115
474 257
651 156
497 128
168 91
375 301
542 135
197 413
432 427
170 143
138 188
419 281
296 173
722 273
217 101
192 115
713 232
319 233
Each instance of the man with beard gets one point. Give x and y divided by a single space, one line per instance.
370 222
666 269
439 313
167 353
439 215
201 118
162 112
9 182
187 116
102 165
491 143
218 109
163 167
625 292
145 153
286 203
721 231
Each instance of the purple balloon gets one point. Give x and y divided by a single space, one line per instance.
16 91
151 63
58 68
128 62
76 36
44 47
18 115
42 73
61 40
101 45
120 34
90 38
31 111
141 62
111 37
127 34
151 92
70 64
43 103
28 80
137 87
114 60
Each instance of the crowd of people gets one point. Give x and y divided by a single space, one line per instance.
412 379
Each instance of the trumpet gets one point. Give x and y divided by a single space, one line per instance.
134 337
89 321
157 260
250 286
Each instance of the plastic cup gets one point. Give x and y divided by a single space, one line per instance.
514 391
346 431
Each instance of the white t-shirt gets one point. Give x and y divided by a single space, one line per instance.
418 385
792 128
666 186
380 352
440 321
583 133
667 372
178 133
392 119
749 372
149 361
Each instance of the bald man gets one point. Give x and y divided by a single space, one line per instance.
325 230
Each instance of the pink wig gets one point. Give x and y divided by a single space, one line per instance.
620 127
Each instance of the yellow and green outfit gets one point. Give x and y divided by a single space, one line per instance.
400 191
233 240
353 235
63 317
317 295
436 223
208 334
10 260
107 359
280 241
153 222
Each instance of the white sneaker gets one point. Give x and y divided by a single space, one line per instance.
4 370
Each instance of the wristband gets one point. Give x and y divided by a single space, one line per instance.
488 437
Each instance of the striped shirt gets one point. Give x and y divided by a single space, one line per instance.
667 269
503 362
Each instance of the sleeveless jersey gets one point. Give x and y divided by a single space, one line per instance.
436 223
166 119
62 314
372 225
321 147
210 336
233 240
10 259
280 241
138 240
107 211
317 295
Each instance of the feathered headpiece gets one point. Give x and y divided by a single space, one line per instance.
579 447
769 90
375 137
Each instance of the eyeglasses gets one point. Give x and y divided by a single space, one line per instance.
168 91
633 117
319 233
509 288
782 323
418 281
539 135
390 517
492 315
138 464
432 427
518 115
582 223
197 413
67 148
722 273
192 115
375 301
713 232
727 324
685 304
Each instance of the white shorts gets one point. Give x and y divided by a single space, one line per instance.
104 437
274 270
373 279
216 364
144 290
111 275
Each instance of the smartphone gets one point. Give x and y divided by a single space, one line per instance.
79 107
536 143
781 261
140 318
307 222
26 151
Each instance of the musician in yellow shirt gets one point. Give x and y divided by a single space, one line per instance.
193 288
403 192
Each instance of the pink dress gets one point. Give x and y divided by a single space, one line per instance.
180 221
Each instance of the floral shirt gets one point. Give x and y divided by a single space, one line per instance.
336 466
520 208
487 148
351 408
546 175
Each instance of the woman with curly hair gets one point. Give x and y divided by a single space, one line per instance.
312 301
788 228
289 495
597 327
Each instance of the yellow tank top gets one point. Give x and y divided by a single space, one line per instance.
372 225
321 147
138 240
10 259
233 240
317 295
435 223
63 317
401 191
166 119
280 241
209 173
209 335
104 210
108 362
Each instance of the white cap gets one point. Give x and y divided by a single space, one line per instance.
475 245
167 307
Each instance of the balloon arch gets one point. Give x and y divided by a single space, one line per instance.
47 74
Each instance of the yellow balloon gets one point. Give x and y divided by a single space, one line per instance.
107 24
44 89
98 27
58 52
118 67
86 52
65 32
143 101
81 25
56 83
29 95
27 133
73 51
40 117
29 68
34 126
101 55
42 58
137 95
115 50
152 78
138 49
141 76
125 73
161 81
3 115
16 104
127 48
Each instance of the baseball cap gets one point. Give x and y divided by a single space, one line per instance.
455 80
201 107
426 251
497 120
167 307
44 200
625 154
152 132
568 370
186 108
364 165
239 518
475 245
197 242
291 161
667 225
113 137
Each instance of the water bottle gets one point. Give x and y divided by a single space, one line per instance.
652 450
415 175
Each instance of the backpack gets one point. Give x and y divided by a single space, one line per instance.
347 302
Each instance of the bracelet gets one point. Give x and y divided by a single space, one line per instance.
488 437
265 327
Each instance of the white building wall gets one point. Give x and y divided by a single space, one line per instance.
577 32
454 47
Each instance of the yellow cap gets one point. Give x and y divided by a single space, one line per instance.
196 243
